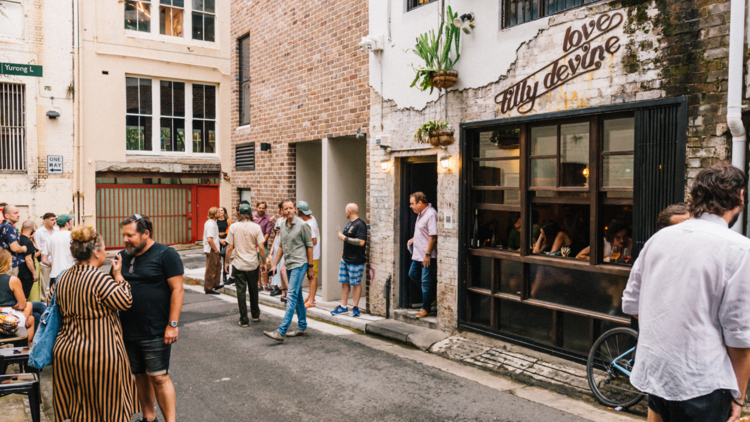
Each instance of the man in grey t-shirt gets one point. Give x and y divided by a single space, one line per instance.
297 249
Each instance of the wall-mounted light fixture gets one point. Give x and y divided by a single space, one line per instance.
385 164
52 114
465 22
265 146
445 162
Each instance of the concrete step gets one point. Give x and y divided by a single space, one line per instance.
410 316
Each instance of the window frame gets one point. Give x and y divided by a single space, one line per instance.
203 13
148 13
542 7
205 119
171 8
242 80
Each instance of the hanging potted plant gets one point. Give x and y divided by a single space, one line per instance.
440 54
436 133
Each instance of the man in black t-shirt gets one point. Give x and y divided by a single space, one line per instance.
154 272
27 269
353 260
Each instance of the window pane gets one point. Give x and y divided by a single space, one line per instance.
581 289
210 134
198 136
496 173
178 3
131 15
144 17
544 172
145 95
510 276
197 26
616 223
170 21
199 102
245 104
198 4
491 225
131 94
576 333
526 321
480 309
166 134
179 134
499 143
147 132
619 134
574 154
506 197
165 96
133 133
544 140
209 5
210 97
209 29
178 98
570 223
481 272
617 171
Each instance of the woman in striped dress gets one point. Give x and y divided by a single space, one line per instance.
91 373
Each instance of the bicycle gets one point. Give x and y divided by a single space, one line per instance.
608 368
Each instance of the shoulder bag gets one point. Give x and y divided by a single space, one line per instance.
46 334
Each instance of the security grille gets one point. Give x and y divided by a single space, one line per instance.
245 157
12 127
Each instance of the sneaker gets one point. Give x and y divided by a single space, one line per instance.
212 292
297 333
283 300
340 311
274 335
243 325
355 311
276 291
220 286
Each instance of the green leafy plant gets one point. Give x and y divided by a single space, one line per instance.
423 132
435 50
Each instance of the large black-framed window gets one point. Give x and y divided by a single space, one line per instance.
172 99
243 54
602 175
204 118
516 12
413 4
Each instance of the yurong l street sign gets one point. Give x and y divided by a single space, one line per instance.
20 69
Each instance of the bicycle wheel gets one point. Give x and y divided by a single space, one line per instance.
609 384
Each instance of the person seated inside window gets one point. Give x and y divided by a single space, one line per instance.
616 239
551 239
673 214
514 238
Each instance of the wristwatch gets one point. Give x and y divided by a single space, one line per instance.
173 324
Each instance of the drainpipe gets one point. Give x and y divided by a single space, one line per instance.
734 95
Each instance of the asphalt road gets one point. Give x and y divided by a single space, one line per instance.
223 372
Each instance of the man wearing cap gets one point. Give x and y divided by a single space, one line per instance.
56 252
9 238
246 240
304 212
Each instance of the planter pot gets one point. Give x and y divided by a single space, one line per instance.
444 79
442 138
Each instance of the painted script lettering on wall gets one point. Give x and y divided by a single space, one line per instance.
580 57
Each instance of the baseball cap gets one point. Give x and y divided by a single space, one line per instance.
245 209
63 218
302 206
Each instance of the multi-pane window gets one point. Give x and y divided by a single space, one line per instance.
204 118
244 75
12 127
172 96
11 19
204 20
516 12
411 4
171 17
139 114
138 15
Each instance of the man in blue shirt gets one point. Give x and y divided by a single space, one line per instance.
9 237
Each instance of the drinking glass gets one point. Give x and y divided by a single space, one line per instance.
616 252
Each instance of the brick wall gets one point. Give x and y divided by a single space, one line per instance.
308 81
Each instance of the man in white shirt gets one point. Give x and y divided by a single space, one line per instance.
56 253
304 212
212 276
689 289
40 237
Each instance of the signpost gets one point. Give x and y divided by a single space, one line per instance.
20 69
54 164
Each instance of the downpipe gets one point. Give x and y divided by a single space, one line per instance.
387 296
734 88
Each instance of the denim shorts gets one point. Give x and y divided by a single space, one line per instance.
149 356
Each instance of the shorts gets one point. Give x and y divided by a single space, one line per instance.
315 269
712 407
150 356
351 274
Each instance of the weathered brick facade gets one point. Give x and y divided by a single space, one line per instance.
309 81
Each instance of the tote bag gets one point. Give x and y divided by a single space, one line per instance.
46 334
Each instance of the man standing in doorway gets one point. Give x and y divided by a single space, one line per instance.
149 328
353 261
304 212
9 237
689 289
423 269
266 226
297 249
41 236
245 239
56 252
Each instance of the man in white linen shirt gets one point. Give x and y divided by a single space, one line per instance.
690 290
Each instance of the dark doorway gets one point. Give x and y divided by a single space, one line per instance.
418 174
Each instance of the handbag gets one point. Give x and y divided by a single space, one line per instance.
46 334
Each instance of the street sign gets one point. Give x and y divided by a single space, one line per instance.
20 69
54 164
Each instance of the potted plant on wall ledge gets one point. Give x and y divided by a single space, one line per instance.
440 55
436 133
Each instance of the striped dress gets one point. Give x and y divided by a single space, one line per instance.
91 373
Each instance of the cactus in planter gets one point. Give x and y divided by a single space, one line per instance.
435 50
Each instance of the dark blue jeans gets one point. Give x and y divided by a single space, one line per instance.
37 309
426 278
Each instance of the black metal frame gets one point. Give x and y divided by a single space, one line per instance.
410 4
467 131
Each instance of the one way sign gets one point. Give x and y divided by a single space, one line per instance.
54 164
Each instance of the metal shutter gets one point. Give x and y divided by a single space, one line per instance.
245 157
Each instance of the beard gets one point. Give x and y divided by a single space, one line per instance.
134 250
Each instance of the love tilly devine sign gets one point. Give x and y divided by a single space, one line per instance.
584 50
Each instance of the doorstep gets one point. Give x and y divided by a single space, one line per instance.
409 316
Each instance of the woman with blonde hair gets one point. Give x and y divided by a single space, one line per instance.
212 277
91 379
12 298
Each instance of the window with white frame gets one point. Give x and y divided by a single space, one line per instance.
11 19
172 98
12 127
139 114
138 15
171 14
204 19
204 118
